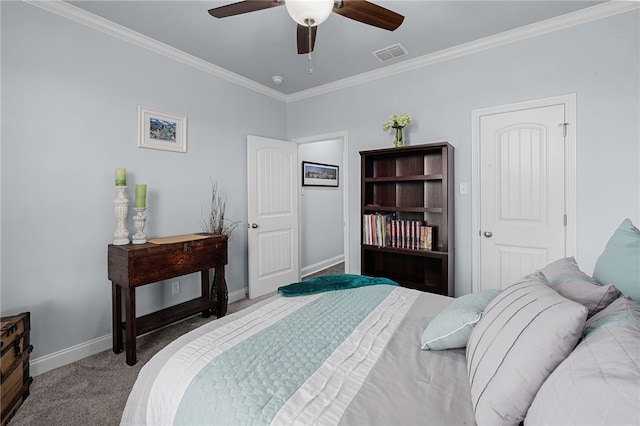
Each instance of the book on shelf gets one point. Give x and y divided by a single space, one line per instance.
384 230
426 237
408 234
376 229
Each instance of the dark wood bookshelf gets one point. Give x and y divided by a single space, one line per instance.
413 183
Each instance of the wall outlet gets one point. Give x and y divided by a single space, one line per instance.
175 287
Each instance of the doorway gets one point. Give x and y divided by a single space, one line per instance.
524 195
323 215
273 206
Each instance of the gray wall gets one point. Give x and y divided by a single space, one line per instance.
321 232
69 99
599 61
69 118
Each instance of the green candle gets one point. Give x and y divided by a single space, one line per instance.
121 177
141 196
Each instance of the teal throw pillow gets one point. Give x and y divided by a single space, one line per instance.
452 327
619 264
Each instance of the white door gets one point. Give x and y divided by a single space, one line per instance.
272 214
522 222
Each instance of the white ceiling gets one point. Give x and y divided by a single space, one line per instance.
259 45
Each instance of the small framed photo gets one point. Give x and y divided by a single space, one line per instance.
318 174
161 130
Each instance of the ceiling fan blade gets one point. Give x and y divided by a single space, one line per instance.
369 13
303 39
243 7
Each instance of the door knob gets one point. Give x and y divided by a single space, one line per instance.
488 234
254 225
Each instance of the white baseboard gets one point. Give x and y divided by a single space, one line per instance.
67 356
234 296
75 353
317 267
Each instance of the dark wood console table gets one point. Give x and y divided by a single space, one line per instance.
135 265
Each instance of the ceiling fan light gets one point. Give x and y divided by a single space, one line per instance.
309 12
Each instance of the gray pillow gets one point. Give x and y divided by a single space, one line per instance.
567 279
524 333
621 311
599 383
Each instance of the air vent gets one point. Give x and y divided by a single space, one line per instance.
390 52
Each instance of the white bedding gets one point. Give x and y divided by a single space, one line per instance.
374 374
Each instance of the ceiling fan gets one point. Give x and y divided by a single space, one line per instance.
311 13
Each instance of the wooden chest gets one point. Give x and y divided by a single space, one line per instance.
14 364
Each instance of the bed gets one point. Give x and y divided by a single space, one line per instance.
336 357
556 347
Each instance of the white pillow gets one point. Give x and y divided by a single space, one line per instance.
524 333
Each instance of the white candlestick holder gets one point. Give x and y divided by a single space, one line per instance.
121 208
139 221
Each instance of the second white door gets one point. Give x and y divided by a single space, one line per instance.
522 192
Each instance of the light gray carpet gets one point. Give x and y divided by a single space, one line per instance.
94 390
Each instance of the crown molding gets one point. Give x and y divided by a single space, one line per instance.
568 20
83 17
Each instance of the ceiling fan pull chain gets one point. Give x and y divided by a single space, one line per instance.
310 61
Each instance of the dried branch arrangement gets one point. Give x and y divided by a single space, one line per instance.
215 222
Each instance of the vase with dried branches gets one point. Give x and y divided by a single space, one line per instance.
216 223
